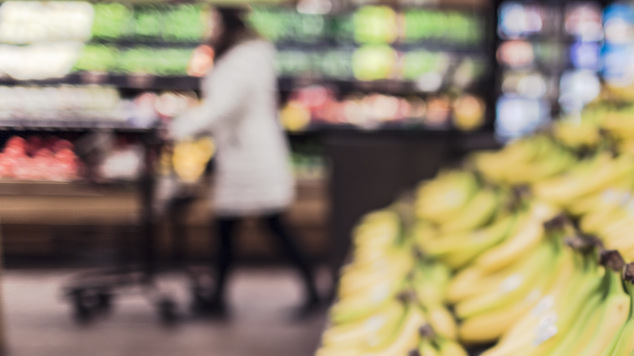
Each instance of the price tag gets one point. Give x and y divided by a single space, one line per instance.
140 80
93 77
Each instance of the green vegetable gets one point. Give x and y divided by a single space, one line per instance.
184 23
97 58
147 22
111 21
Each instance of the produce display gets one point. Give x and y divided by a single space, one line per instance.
423 48
317 106
38 158
521 251
618 50
284 24
547 68
88 105
43 40
25 22
368 43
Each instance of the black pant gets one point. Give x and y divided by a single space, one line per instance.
225 259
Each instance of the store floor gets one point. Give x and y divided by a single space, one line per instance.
38 321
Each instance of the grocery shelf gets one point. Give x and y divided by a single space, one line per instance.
155 43
396 128
285 83
124 81
390 87
480 6
50 125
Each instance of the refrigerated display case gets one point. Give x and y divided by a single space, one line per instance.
545 50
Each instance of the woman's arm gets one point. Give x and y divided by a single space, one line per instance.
226 90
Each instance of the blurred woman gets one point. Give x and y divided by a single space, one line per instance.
253 176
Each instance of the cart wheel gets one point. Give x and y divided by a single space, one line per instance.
104 301
82 312
167 311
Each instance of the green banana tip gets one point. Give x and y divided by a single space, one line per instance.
612 259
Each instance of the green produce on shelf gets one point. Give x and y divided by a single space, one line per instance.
148 21
157 61
462 28
112 21
285 24
341 27
374 62
96 57
418 63
171 61
295 62
375 24
306 28
423 25
184 23
336 64
268 23
456 28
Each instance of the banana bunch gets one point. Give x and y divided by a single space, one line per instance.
586 178
433 344
456 250
612 220
381 263
581 318
525 249
440 199
621 343
619 124
429 283
524 161
489 302
577 134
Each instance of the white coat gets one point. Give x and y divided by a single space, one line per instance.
239 109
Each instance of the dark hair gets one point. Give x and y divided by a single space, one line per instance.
235 29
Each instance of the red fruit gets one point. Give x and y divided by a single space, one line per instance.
16 141
44 153
60 144
14 151
66 155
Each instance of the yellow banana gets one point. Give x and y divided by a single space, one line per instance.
613 314
439 199
490 326
442 321
622 343
479 210
512 288
373 330
571 187
360 306
449 347
405 339
464 250
426 348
